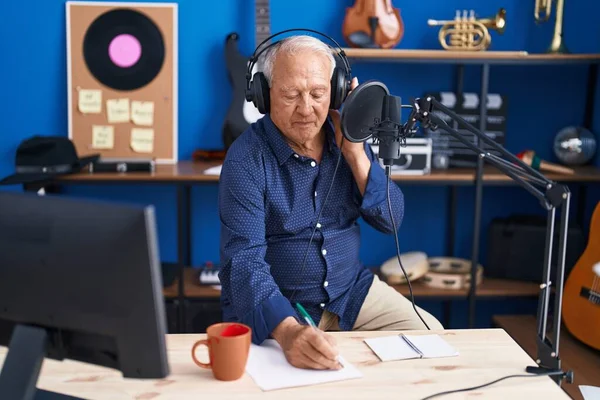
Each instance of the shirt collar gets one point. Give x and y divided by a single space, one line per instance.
282 149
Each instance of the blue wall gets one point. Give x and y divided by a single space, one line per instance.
542 100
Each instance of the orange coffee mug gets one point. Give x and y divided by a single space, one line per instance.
228 348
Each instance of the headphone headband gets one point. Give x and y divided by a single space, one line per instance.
255 56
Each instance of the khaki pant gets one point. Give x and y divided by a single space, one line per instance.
384 309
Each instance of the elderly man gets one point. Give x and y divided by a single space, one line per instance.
273 184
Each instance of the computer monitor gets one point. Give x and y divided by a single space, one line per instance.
79 279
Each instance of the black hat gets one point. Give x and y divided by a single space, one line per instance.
44 157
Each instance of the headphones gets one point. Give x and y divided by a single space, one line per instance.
257 89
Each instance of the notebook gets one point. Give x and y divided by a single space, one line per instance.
270 370
404 347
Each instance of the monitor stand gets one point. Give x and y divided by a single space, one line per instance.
19 375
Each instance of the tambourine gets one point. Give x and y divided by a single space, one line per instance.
451 273
415 264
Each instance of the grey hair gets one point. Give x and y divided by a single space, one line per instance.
293 45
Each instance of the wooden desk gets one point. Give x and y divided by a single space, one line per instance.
485 355
583 360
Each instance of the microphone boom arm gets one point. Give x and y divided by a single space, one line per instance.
521 173
551 196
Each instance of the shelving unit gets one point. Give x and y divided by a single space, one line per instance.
194 292
467 57
485 59
488 288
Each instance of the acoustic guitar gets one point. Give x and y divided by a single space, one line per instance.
581 295
242 113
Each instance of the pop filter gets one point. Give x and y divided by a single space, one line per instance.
362 106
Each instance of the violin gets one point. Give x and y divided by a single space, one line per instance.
373 24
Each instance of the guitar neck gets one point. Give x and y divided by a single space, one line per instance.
262 21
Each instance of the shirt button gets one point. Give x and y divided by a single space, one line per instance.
315 193
318 225
322 305
324 252
325 284
312 163
296 155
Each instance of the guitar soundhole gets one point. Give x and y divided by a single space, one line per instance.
591 296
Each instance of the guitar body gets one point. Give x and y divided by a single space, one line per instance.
235 122
242 113
581 296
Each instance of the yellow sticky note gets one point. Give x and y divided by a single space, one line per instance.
117 110
142 140
142 112
90 101
103 137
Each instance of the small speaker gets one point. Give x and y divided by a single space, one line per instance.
516 248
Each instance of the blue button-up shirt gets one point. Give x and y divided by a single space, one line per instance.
269 199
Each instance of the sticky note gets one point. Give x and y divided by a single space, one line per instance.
117 110
103 137
142 140
142 112
90 101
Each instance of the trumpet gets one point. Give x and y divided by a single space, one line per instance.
466 32
542 11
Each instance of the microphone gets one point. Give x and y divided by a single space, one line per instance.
370 111
389 129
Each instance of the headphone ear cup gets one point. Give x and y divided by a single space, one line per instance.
260 93
339 88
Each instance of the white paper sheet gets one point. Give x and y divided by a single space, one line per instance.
270 370
216 170
390 348
590 392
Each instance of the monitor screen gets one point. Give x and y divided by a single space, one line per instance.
86 273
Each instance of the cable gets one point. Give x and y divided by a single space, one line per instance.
319 217
492 382
412 299
388 168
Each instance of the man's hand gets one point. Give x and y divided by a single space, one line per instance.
305 346
349 150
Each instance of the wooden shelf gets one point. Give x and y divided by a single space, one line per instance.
576 356
192 287
193 172
468 57
488 288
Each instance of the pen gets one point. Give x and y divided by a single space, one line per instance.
305 315
310 322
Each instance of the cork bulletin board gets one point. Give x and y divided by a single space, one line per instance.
122 79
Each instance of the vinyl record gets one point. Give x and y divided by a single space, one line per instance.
124 49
